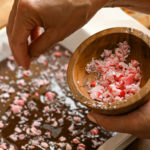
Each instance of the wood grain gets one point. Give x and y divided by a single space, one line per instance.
92 48
5 8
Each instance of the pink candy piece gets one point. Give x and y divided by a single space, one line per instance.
129 79
21 136
18 130
57 54
76 141
13 137
3 146
1 77
48 133
35 131
67 53
1 124
11 58
65 67
62 139
71 128
46 109
42 59
45 63
42 83
135 63
93 83
44 144
50 95
16 109
81 147
19 102
55 124
94 131
35 142
21 83
11 147
59 75
68 147
36 94
77 119
26 73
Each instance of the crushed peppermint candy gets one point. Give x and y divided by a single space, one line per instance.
16 109
95 131
59 76
44 145
57 54
38 110
66 53
1 124
76 141
50 95
81 147
116 79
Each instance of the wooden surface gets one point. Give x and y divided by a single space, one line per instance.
5 6
92 48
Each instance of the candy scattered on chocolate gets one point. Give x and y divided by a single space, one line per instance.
38 111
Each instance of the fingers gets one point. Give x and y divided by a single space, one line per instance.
16 34
42 43
124 123
19 42
136 122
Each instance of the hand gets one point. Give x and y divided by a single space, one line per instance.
136 122
59 18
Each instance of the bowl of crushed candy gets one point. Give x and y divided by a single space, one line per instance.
110 71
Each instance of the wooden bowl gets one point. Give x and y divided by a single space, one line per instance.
92 48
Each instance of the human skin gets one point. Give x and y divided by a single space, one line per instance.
136 122
60 18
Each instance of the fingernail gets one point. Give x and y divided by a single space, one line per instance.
91 118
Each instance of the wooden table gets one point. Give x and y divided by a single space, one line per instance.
5 7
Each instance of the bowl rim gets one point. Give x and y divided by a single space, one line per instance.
113 107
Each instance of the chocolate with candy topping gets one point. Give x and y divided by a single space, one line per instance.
39 112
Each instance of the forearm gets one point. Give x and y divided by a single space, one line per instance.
138 5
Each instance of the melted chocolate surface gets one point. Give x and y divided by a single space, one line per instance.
38 110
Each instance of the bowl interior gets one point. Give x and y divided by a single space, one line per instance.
93 49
